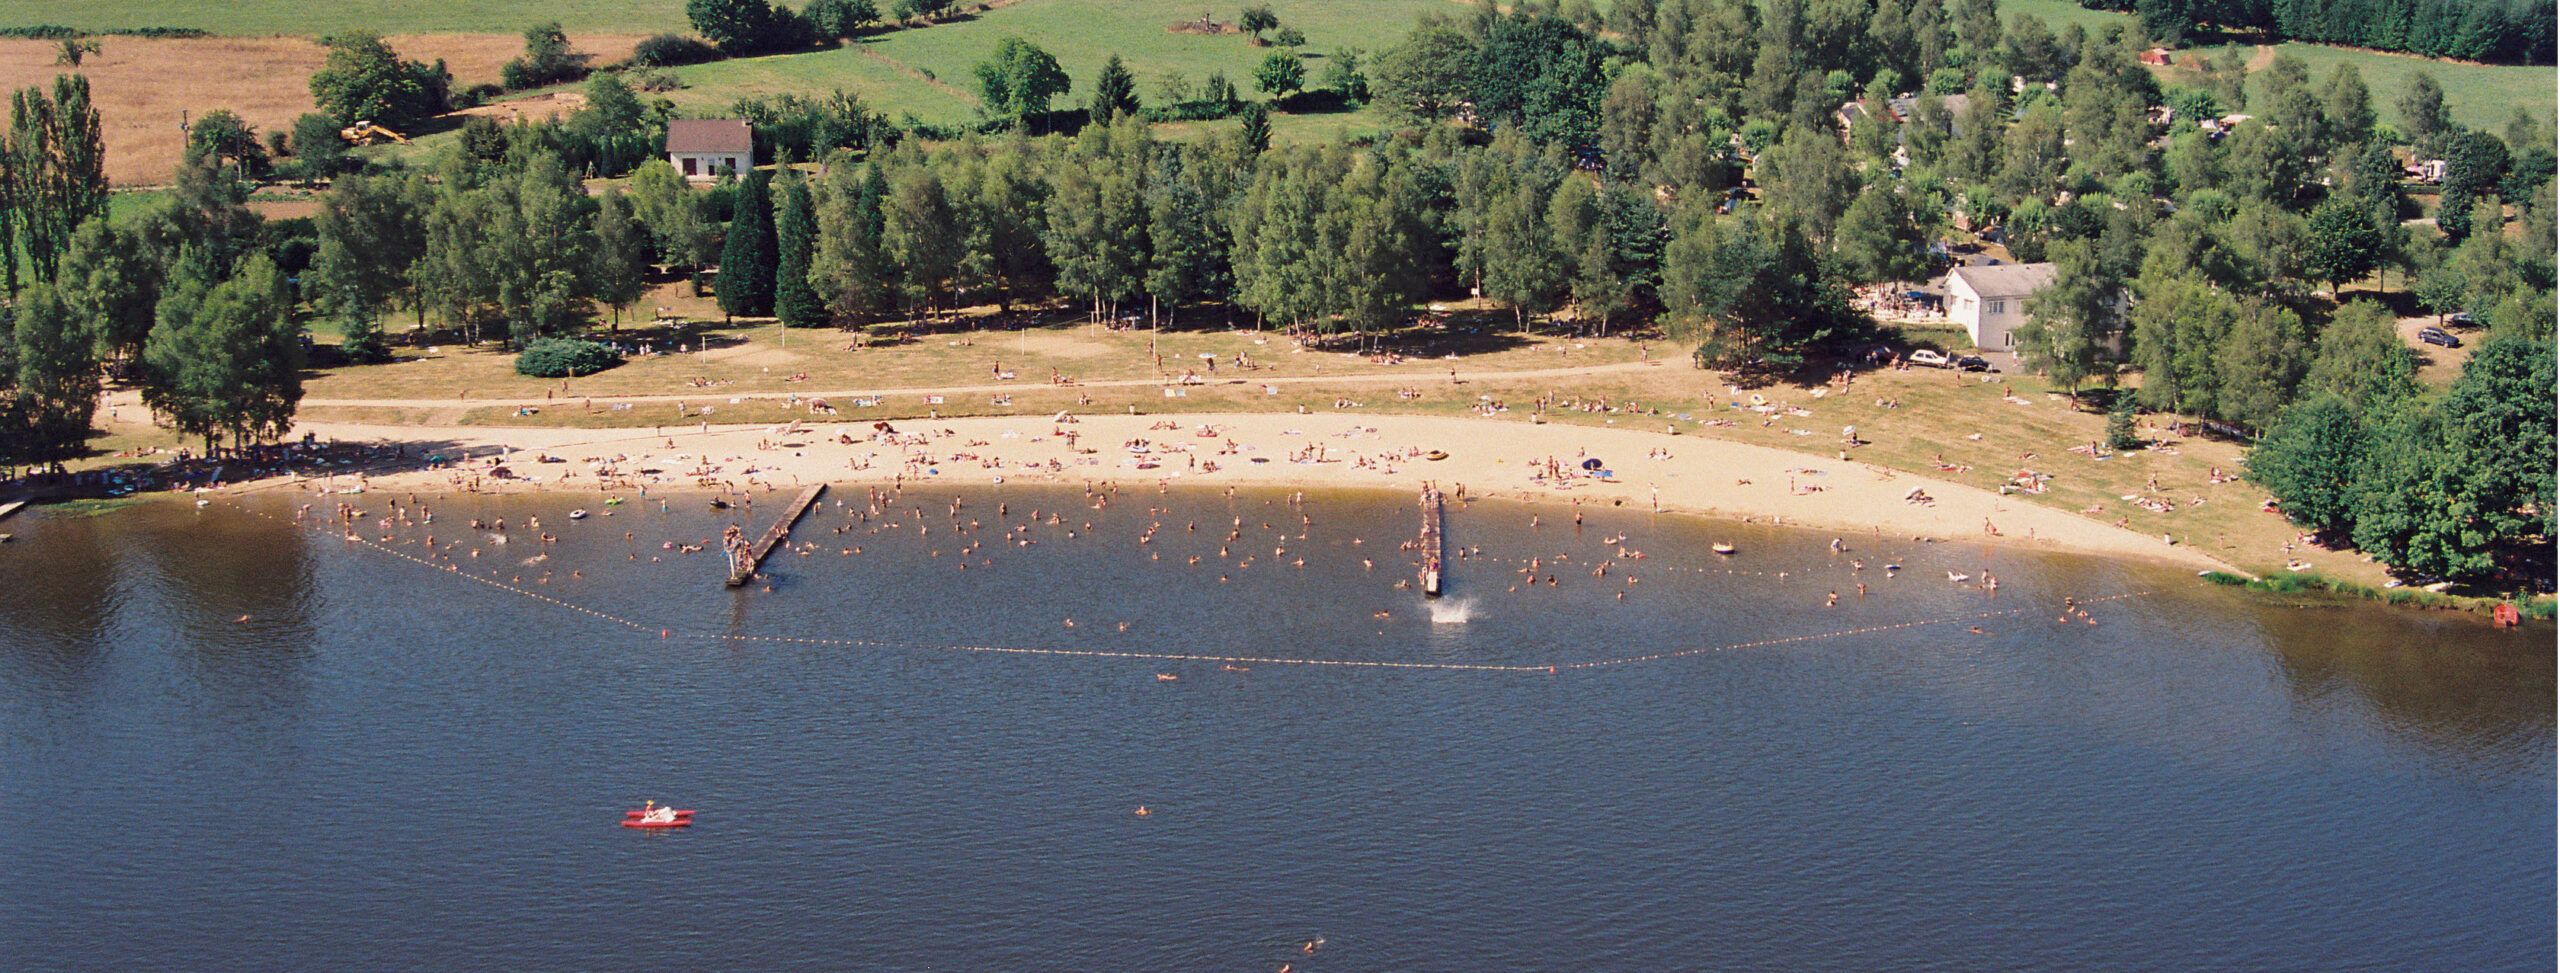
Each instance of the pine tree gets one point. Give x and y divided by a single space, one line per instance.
795 231
746 260
848 268
1256 130
1115 93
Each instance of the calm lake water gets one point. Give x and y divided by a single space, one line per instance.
387 766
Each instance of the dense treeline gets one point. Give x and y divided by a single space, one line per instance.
2471 30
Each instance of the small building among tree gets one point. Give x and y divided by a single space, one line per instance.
1990 300
703 148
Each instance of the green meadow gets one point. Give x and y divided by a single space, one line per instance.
265 17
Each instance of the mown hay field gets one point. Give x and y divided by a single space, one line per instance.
145 87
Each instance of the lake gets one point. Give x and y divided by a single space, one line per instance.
234 741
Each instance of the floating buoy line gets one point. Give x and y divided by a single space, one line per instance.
670 633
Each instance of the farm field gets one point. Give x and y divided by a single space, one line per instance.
144 86
256 18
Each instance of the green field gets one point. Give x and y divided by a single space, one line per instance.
263 17
927 72
2479 95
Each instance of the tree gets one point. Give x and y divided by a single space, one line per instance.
2343 245
2310 460
742 27
795 233
225 359
747 259
918 235
48 380
1019 80
2179 326
363 79
318 152
547 59
2362 361
1187 261
1256 19
542 262
52 176
621 270
2446 489
1115 93
2474 162
1426 75
2263 359
1342 76
222 137
1255 128
2068 321
682 232
111 282
2423 119
1280 74
836 19
849 269
372 235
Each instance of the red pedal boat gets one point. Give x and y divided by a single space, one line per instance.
642 819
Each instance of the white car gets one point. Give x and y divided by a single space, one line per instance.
1930 358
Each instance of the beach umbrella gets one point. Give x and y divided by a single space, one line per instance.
1592 463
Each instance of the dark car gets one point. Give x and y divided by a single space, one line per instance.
1972 363
2459 319
2438 336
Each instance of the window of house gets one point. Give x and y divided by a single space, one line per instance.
690 165
1999 307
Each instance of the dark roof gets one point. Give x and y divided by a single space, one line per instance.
710 135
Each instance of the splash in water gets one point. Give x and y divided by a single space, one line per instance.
1452 612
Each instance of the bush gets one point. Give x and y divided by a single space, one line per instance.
57 32
564 358
671 50
364 344
655 81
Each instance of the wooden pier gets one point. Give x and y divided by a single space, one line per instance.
744 557
1431 541
10 507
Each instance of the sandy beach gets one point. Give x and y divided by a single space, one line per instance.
1505 457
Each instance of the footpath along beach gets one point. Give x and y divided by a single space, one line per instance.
1548 464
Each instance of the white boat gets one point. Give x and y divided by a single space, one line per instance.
1721 547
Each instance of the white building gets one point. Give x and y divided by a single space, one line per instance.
1991 300
703 148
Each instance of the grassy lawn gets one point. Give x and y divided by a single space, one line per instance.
2056 13
264 17
928 71
2479 95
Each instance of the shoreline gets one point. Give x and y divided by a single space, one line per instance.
1489 458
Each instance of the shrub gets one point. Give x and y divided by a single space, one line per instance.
364 344
671 50
564 358
655 81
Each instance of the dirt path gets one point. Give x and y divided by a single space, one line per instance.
701 395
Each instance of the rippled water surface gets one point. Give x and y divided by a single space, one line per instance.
228 742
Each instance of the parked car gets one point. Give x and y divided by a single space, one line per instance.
1930 358
2461 319
2438 336
1973 363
